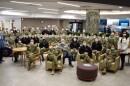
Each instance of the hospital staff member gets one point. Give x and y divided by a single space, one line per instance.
122 46
1 46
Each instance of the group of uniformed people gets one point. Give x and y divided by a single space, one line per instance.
69 46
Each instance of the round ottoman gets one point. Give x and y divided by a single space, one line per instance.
87 72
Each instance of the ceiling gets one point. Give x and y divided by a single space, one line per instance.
111 2
51 9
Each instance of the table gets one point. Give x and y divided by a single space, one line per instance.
23 51
87 73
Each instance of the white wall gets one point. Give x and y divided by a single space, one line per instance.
8 22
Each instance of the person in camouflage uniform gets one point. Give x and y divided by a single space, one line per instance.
88 40
81 39
44 46
11 42
85 57
109 59
54 55
111 41
32 53
16 54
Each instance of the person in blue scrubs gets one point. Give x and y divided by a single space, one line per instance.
1 46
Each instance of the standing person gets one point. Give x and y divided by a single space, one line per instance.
105 29
122 46
1 47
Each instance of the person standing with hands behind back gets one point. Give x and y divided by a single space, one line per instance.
122 46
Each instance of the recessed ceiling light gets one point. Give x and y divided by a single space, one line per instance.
5 8
51 12
120 7
16 11
26 3
12 13
48 9
68 4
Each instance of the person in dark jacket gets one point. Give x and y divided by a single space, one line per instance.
45 31
24 40
96 45
44 45
17 39
1 47
74 46
52 32
84 48
36 39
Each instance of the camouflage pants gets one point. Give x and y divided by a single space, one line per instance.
53 59
106 63
97 53
74 52
32 59
85 57
43 50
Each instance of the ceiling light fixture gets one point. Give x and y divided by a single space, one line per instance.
16 11
26 3
75 11
12 13
68 4
5 8
51 12
120 7
48 9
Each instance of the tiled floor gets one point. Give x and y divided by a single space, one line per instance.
12 74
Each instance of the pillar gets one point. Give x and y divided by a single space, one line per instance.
92 21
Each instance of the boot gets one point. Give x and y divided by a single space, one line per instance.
52 73
104 71
43 58
59 66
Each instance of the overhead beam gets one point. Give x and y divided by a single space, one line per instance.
110 2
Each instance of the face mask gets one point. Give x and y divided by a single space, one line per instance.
112 48
19 41
74 39
84 44
94 36
103 37
96 40
62 42
124 34
31 42
112 33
